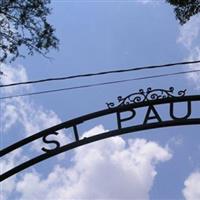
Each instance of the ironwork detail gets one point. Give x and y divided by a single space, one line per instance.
148 95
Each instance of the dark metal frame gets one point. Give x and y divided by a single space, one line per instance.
122 107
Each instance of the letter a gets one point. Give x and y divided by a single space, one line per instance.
155 116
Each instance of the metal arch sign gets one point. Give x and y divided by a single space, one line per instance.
149 99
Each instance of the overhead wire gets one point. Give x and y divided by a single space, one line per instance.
100 84
101 73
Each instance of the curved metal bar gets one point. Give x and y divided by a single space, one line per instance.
90 116
95 138
119 131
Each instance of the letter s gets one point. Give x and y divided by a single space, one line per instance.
45 140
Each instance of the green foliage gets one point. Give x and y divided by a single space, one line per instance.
24 23
185 9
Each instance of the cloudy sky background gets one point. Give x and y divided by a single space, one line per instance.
97 36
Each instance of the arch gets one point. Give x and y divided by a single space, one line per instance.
112 109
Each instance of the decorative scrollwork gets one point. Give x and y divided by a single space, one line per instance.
148 95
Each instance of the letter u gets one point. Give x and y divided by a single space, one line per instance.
187 115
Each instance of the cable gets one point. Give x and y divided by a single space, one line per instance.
100 84
102 73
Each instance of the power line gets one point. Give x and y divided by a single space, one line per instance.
102 73
100 84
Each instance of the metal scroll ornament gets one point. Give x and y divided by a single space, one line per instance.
148 95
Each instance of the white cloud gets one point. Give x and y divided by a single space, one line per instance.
22 110
13 74
111 168
189 32
192 187
108 169
189 38
8 162
148 1
195 55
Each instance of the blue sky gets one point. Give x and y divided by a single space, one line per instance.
98 36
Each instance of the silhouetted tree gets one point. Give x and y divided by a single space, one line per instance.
185 9
24 23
